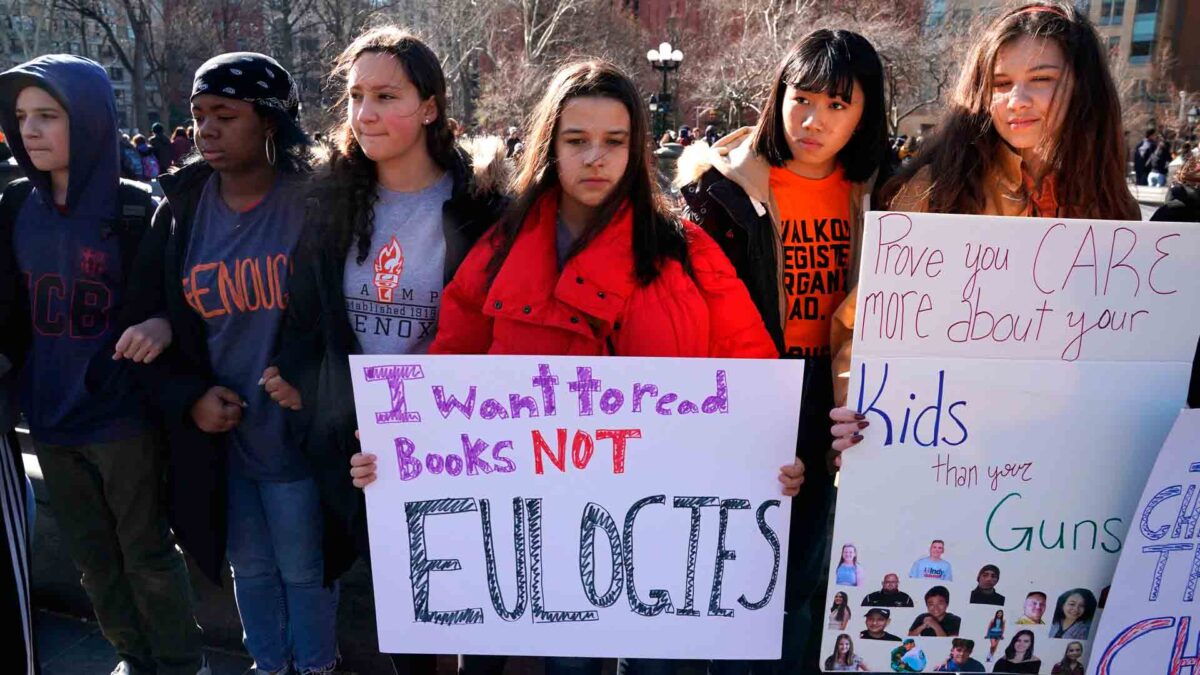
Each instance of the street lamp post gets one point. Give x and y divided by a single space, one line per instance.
664 59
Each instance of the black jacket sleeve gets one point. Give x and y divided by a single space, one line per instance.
701 208
301 344
172 382
17 333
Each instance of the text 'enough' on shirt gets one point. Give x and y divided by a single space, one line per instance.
814 227
393 297
236 273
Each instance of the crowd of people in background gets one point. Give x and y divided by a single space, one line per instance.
145 159
1157 159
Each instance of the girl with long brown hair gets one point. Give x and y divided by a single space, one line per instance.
397 206
1004 145
590 261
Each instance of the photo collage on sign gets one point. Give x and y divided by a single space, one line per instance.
920 617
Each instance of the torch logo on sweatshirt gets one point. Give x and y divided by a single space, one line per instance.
389 265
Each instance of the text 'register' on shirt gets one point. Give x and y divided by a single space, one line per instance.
814 229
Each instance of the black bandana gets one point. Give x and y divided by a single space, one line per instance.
250 77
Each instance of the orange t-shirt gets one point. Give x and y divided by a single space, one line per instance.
814 227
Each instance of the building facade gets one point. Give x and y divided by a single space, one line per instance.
1154 62
37 28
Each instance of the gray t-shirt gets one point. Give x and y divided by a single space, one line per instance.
392 299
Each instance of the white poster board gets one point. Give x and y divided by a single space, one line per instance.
1150 621
1018 376
560 506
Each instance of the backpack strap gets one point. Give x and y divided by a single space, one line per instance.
11 201
14 306
135 211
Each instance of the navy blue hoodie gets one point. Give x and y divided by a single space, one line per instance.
69 259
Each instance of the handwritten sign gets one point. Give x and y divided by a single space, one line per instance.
561 506
1018 376
1151 620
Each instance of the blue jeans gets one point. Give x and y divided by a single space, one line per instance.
274 549
1158 179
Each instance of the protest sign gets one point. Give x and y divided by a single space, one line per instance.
572 506
1150 623
1019 376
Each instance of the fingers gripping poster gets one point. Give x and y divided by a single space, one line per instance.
559 506
1017 378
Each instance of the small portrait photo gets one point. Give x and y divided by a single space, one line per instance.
849 573
1072 660
1019 657
1073 614
839 613
889 595
936 621
877 621
995 633
1033 610
985 587
843 659
960 660
932 566
908 658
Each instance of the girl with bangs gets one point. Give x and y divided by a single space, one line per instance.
785 199
1003 146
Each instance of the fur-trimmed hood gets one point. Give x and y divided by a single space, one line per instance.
735 158
490 171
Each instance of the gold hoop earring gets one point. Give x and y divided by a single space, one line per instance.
270 148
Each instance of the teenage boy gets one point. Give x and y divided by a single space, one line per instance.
985 589
960 660
933 567
68 237
908 658
936 621
877 621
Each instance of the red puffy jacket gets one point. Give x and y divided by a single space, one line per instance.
595 305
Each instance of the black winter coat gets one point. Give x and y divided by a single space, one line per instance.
316 339
196 466
1160 161
723 209
1183 206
